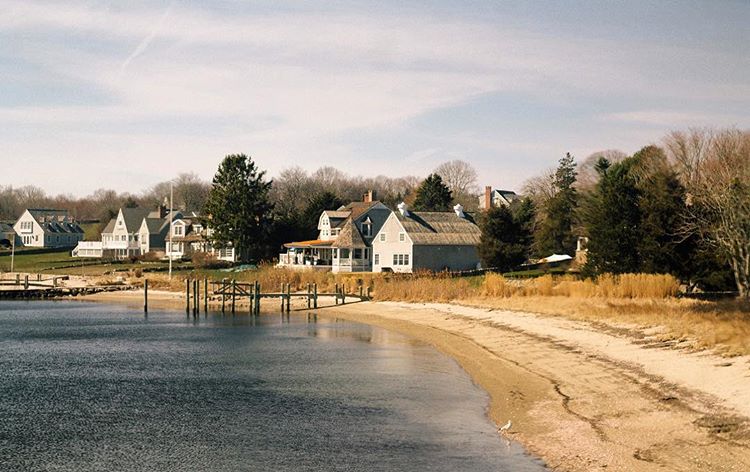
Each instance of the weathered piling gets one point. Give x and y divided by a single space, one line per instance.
196 297
205 295
258 293
234 293
315 295
187 295
309 296
288 297
223 295
145 296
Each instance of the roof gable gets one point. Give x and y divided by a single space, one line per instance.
439 228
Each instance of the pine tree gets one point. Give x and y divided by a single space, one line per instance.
238 207
504 243
555 234
612 220
433 195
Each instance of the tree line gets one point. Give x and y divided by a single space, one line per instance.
682 208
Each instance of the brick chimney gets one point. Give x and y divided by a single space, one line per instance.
367 197
487 197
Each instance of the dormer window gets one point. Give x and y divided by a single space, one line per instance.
178 230
367 228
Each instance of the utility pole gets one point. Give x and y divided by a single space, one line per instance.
171 210
13 253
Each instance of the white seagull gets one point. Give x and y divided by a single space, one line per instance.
505 427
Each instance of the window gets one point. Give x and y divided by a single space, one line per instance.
400 259
377 259
119 223
406 259
367 229
178 230
382 237
344 253
401 237
395 259
366 252
358 253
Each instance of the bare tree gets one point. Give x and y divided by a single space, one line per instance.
715 168
587 175
459 176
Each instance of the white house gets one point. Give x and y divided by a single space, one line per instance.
40 227
189 236
132 233
344 241
496 198
410 241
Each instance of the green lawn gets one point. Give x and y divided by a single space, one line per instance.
60 262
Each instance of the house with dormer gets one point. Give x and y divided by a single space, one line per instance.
189 236
435 241
344 242
47 228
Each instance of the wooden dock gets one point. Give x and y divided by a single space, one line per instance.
230 291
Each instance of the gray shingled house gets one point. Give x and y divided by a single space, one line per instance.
410 241
43 227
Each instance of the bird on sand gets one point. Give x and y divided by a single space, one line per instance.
505 427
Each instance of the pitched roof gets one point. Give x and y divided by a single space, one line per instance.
155 225
349 236
357 209
133 218
110 226
439 228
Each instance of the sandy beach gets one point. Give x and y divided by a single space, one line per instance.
581 397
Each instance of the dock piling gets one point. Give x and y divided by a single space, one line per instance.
315 295
205 295
234 293
145 296
187 296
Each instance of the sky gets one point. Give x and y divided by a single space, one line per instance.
123 95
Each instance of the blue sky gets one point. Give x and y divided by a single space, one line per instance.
127 94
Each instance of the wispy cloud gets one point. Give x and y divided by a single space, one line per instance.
293 83
141 48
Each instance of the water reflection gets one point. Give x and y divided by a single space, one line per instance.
93 387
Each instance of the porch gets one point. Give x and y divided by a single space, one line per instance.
307 255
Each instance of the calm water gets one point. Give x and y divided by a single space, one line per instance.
89 387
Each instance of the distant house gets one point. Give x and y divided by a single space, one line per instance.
132 233
7 234
190 236
344 241
41 227
435 241
153 232
496 198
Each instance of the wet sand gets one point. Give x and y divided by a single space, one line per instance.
582 397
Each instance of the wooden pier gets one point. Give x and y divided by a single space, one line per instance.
230 292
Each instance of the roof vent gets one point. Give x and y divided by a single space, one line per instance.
459 210
403 209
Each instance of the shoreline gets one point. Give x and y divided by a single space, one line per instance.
580 398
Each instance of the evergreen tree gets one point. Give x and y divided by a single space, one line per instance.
612 221
555 233
238 207
661 246
433 195
505 239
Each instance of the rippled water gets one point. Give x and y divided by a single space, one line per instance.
89 387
